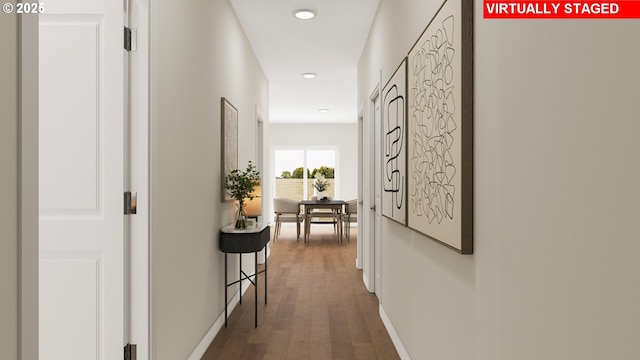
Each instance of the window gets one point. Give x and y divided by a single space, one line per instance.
294 170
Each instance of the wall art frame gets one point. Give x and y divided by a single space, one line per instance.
440 128
394 145
229 150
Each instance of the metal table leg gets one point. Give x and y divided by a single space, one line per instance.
225 289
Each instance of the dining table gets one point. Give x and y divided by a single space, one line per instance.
337 206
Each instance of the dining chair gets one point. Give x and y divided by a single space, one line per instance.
287 211
321 214
350 215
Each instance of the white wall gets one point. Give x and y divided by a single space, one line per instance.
199 54
344 137
9 188
555 269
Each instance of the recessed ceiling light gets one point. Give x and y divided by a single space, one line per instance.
324 110
309 75
304 14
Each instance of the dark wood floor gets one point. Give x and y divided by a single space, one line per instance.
318 307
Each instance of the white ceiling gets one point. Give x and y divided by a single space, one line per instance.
329 45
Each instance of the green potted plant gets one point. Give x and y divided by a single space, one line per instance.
320 184
240 185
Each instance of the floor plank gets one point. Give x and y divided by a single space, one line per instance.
318 307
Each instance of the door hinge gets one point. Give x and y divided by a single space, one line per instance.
130 352
130 202
130 39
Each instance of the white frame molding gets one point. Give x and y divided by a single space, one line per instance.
361 167
28 183
139 173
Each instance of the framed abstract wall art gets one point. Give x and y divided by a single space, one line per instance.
440 128
394 146
229 151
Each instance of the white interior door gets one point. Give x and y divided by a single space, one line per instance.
371 181
81 175
378 196
361 186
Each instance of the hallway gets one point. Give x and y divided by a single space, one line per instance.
318 307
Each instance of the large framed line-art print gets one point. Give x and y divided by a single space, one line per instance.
229 119
394 146
440 128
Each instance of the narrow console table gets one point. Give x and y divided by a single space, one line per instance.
250 240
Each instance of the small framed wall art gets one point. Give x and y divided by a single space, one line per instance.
229 151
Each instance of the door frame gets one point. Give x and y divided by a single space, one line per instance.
139 275
361 167
376 155
140 237
28 211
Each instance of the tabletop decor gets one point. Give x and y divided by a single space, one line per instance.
320 184
240 185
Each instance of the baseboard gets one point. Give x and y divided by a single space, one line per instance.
207 339
402 352
365 279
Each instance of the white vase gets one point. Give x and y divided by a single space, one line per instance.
320 195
